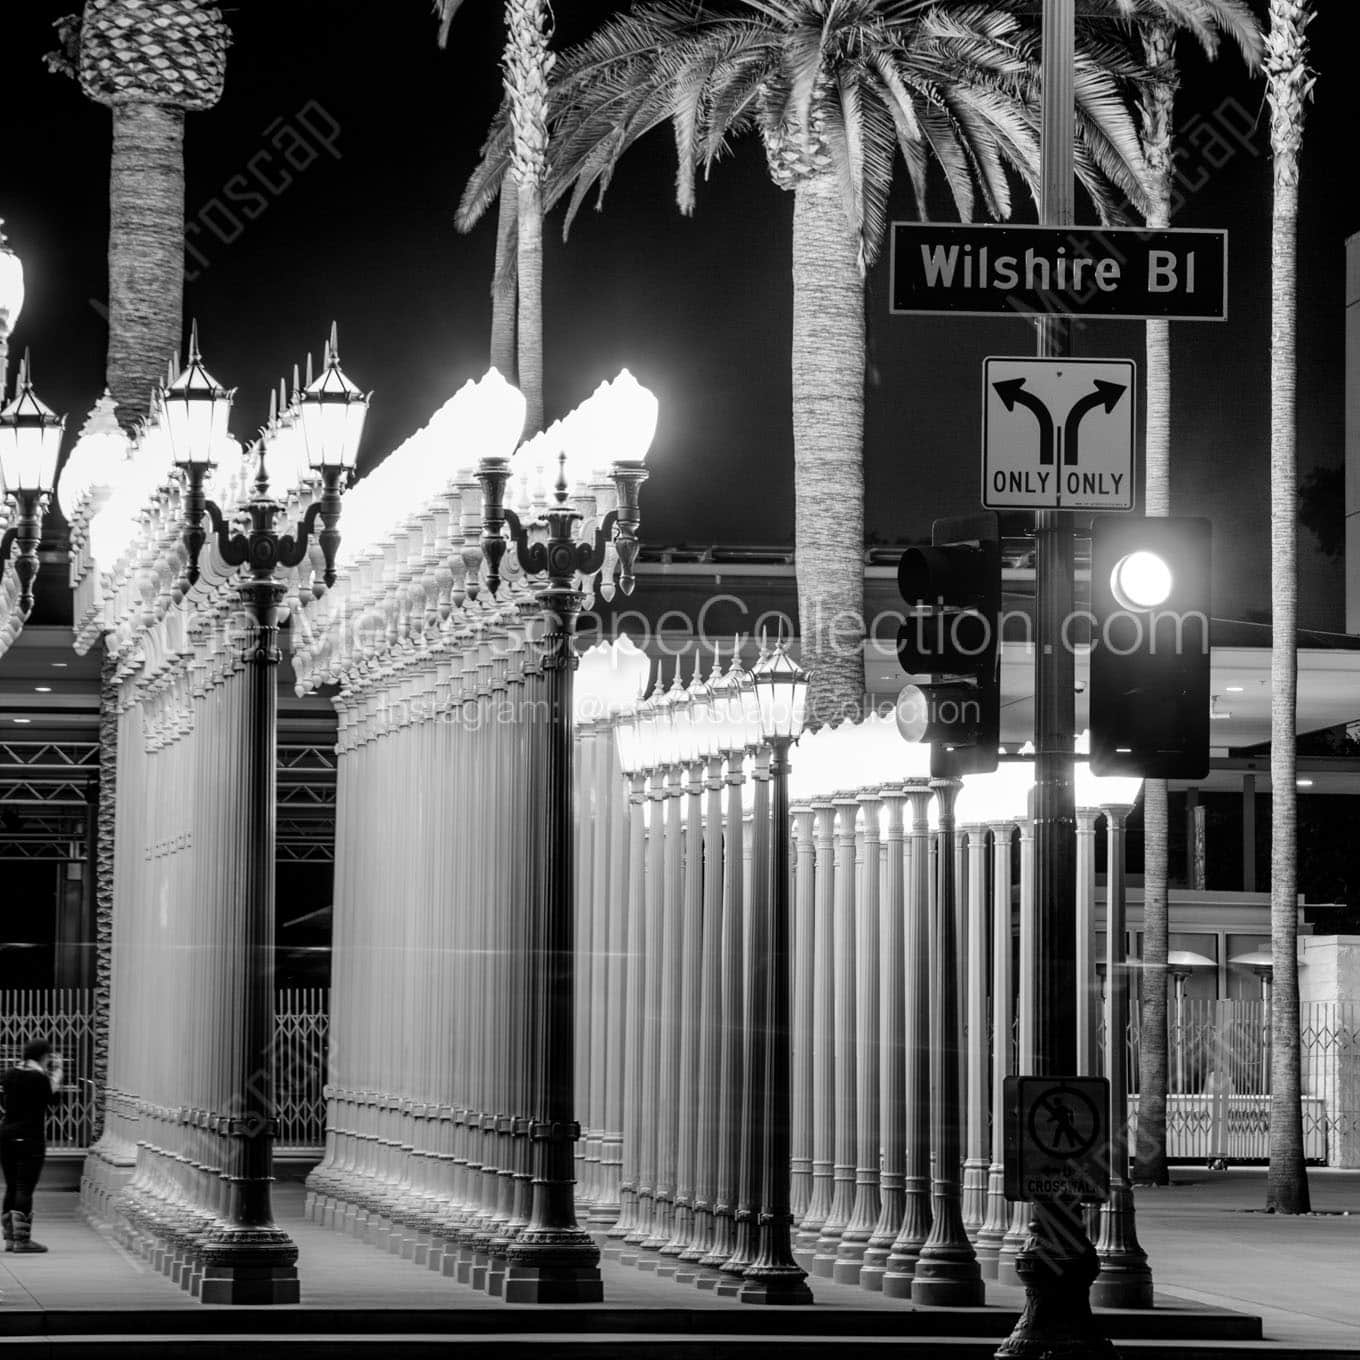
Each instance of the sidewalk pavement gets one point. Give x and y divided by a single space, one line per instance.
1207 1238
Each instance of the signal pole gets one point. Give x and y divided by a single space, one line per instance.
1057 1263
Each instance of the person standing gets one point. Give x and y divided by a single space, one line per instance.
29 1089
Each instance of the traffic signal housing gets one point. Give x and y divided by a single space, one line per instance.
952 591
1150 657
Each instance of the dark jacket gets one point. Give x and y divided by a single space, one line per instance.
27 1095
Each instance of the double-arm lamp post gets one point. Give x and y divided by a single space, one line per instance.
246 1257
602 443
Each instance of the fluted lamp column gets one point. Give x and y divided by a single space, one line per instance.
774 1277
246 1258
947 1269
1125 1278
553 1260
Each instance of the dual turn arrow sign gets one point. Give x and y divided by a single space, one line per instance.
1058 433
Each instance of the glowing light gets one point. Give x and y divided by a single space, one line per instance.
1141 580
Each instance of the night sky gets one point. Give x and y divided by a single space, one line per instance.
384 129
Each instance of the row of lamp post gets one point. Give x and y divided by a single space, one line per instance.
139 537
474 535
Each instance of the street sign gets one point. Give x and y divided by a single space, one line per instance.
1179 275
1057 1138
1058 434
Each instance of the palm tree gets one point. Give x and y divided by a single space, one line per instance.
1156 123
1289 84
150 61
835 88
517 282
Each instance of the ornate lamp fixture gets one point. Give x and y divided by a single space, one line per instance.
30 440
613 427
781 687
331 417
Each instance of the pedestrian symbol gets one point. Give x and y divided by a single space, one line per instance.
1064 1123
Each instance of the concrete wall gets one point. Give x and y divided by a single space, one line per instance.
1329 996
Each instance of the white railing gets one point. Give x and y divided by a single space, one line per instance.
1218 1078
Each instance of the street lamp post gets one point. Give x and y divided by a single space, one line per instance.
1125 1281
553 1259
774 1277
246 1258
30 439
946 1271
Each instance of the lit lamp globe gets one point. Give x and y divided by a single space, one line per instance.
685 740
1016 781
495 415
1095 791
11 296
628 671
195 409
331 415
702 717
628 741
781 687
665 743
30 441
11 283
95 460
621 421
644 729
982 800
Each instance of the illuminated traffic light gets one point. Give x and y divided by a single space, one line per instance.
1149 690
950 646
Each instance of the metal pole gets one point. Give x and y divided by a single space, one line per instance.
773 1277
947 1271
553 1260
1125 1281
891 1052
248 1259
916 1210
1057 1262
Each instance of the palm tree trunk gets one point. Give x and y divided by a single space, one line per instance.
1287 86
527 64
828 434
529 324
146 251
503 290
1150 1149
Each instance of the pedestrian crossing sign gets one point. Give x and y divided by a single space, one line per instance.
1057 1138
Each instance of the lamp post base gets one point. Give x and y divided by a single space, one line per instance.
1056 1265
565 1269
949 1290
785 1287
257 1266
1125 1278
